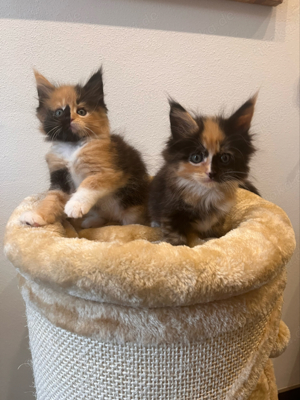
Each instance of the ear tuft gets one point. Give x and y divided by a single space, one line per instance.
174 105
241 119
44 87
92 91
182 123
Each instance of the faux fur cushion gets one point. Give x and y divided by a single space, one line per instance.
266 388
121 284
282 340
258 243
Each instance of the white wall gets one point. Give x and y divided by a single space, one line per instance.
209 55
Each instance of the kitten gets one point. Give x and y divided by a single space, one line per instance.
206 160
91 171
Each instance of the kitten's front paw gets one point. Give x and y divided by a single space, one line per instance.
33 219
76 209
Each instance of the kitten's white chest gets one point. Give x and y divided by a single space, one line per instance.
68 152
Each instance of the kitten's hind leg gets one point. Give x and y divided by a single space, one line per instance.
48 211
93 220
32 218
193 239
171 235
135 215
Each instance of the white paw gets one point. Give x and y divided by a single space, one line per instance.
33 219
76 209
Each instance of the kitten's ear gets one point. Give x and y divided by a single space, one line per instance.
182 123
92 91
44 87
241 119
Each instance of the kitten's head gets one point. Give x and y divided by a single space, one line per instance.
71 113
210 151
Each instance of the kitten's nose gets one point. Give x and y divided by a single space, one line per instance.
211 175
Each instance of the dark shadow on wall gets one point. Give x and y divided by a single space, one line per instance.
17 376
22 373
212 17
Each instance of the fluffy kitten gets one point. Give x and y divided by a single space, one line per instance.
206 160
91 171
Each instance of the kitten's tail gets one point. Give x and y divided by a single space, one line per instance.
247 185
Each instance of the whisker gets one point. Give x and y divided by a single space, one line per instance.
56 133
88 129
53 129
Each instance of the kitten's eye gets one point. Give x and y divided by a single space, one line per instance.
196 158
58 113
81 111
225 158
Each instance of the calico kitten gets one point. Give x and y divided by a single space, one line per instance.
93 173
206 160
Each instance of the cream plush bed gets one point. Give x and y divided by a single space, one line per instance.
125 316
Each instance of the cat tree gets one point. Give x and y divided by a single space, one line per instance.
125 317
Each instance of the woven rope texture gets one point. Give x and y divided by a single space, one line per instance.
71 367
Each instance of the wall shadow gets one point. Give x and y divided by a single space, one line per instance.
21 373
212 17
15 353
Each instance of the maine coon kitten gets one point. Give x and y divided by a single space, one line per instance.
91 171
206 160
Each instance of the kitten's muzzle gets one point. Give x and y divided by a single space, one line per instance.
211 175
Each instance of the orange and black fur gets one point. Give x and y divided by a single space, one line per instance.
206 160
93 174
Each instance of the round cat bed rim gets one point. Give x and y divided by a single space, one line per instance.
132 277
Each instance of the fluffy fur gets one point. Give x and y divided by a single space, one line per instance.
206 159
121 324
283 339
151 294
93 174
257 241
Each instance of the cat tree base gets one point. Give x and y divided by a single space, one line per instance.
68 366
119 319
